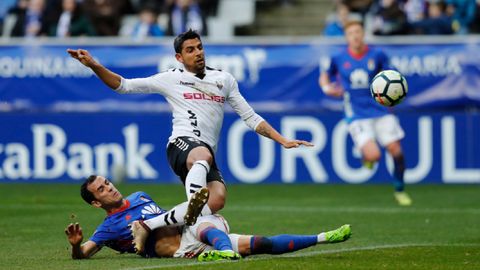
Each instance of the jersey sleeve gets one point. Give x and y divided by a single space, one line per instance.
240 105
102 235
158 84
332 69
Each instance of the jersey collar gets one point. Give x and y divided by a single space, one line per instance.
200 76
125 206
358 56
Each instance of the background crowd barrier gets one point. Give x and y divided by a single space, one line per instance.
60 123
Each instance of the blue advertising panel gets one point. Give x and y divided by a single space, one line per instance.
280 77
54 147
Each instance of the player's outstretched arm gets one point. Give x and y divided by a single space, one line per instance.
75 238
110 78
328 87
265 129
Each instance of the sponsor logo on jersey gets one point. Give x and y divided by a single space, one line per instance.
151 209
202 96
187 83
347 65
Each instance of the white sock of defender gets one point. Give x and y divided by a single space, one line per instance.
196 177
174 216
322 238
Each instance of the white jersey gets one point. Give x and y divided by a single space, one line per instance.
197 103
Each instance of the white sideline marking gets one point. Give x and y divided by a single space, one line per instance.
307 254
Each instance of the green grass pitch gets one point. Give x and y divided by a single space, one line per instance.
440 231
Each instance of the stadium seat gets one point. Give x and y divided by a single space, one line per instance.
231 13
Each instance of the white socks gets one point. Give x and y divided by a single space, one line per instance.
174 216
321 238
196 177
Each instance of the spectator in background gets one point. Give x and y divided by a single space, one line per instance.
358 6
160 6
29 18
184 15
437 22
334 25
475 27
462 13
415 10
147 25
5 6
209 7
71 22
105 15
389 19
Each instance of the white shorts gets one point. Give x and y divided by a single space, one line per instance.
385 130
191 247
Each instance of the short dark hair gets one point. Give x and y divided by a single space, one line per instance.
87 195
180 39
352 22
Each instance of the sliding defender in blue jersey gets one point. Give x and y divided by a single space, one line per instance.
368 122
209 239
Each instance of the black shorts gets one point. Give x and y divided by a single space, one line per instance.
177 153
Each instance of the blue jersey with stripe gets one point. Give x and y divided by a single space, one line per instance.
355 72
115 232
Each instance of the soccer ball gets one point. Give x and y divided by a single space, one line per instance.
389 88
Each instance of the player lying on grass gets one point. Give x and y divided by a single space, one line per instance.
209 239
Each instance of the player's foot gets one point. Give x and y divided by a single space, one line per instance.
402 198
218 255
339 235
195 206
140 233
368 164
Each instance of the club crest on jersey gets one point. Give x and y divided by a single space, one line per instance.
371 64
219 85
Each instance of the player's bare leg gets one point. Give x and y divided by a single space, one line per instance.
370 154
395 150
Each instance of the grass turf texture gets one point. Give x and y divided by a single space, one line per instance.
440 231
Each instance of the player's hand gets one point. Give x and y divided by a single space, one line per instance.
83 56
296 144
74 234
334 90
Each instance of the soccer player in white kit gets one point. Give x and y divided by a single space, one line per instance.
197 95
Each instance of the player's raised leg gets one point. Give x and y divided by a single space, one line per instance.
199 161
175 216
370 154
